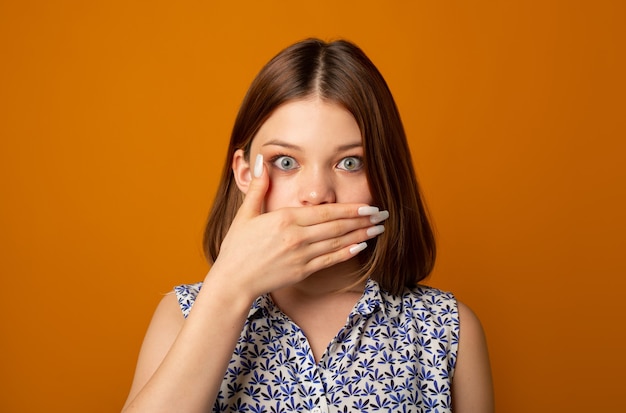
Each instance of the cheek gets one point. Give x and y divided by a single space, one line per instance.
280 194
354 191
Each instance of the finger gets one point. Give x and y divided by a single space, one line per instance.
337 228
253 202
351 239
318 214
332 258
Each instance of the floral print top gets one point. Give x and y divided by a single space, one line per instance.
394 354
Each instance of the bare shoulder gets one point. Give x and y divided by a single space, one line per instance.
472 388
470 325
166 323
168 309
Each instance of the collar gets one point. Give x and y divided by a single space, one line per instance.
263 306
371 300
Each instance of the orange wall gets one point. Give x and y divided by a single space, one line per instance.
114 118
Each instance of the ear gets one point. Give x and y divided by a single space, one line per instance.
241 171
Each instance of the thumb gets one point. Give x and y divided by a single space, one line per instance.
253 202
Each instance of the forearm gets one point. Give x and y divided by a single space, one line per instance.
189 376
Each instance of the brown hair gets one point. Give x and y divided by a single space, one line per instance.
341 73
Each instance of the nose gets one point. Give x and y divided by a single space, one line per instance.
316 187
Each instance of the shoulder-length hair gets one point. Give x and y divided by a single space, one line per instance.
341 73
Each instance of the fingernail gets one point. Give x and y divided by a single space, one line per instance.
377 230
358 248
258 166
368 210
379 217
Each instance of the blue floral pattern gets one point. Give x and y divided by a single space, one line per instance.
395 354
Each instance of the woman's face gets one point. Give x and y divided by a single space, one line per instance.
314 154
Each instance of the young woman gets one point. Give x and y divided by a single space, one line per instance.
318 238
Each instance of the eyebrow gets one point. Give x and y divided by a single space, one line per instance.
278 142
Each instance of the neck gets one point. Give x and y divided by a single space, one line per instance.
338 278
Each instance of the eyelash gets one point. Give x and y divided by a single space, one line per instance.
276 157
359 166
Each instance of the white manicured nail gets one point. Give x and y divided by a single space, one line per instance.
358 248
381 216
368 210
377 230
258 166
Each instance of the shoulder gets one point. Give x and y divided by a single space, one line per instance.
471 326
166 319
432 296
431 312
428 299
472 387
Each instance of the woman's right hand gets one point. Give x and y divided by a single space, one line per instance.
266 251
182 363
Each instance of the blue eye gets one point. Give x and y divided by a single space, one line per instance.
350 163
285 163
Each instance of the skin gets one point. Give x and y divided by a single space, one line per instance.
294 236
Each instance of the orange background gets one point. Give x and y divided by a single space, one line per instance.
114 120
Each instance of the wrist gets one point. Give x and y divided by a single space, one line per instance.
228 290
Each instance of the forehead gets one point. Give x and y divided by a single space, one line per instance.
309 121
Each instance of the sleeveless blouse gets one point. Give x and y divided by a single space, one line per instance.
394 354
